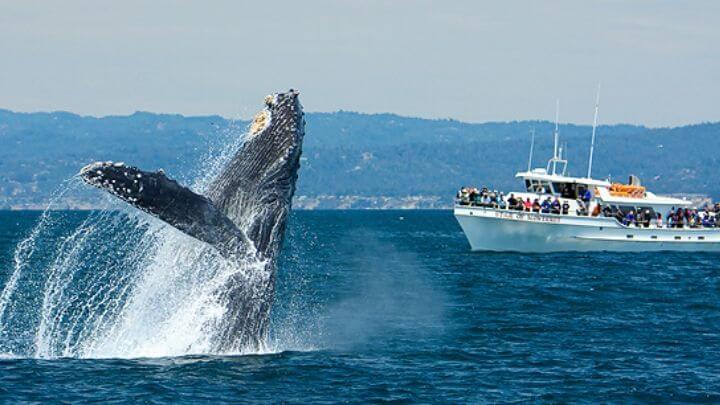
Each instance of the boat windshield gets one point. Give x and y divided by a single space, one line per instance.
569 190
537 186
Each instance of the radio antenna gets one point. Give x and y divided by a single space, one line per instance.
556 133
592 139
556 137
532 147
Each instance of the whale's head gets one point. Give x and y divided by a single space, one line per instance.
123 181
255 190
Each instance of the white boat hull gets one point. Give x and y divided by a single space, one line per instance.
504 230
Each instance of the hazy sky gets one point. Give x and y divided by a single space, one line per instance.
658 61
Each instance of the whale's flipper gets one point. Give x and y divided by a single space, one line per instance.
156 194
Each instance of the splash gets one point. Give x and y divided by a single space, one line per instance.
116 283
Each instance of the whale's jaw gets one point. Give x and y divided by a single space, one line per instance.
256 188
243 215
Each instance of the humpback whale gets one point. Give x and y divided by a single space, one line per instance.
242 215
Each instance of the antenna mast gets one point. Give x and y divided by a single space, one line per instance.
556 134
532 146
592 139
557 149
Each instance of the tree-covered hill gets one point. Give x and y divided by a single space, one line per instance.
356 158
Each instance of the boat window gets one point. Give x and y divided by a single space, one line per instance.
566 190
536 186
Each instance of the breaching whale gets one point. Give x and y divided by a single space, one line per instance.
242 215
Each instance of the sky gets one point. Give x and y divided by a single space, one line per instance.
658 62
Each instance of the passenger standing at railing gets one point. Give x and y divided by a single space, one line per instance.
512 202
501 201
536 205
647 216
555 206
581 209
659 220
528 205
565 207
463 196
629 218
706 220
545 206
587 196
472 195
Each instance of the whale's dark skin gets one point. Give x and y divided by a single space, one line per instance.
242 214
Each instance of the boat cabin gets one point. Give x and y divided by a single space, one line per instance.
612 196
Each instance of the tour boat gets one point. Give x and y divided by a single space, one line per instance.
603 224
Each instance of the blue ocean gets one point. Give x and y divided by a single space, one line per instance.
371 306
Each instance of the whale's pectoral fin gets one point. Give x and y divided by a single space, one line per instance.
156 194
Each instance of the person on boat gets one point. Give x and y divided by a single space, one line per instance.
565 207
581 207
555 206
464 196
587 196
629 218
477 199
677 220
659 222
528 205
706 221
607 211
512 202
647 216
596 211
485 200
682 217
536 205
546 206
502 204
472 195
640 218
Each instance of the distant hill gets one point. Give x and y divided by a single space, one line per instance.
351 159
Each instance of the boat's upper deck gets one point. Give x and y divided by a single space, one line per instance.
615 194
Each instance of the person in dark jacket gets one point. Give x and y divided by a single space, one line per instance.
555 207
546 206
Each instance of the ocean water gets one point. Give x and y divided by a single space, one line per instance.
371 306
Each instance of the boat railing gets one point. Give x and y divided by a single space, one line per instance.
652 224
